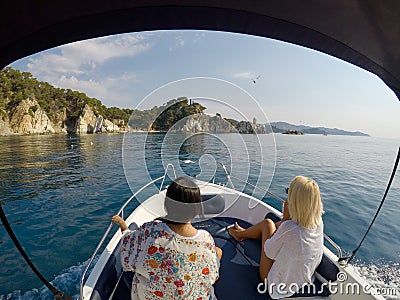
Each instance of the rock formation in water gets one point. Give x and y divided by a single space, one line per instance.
215 124
202 123
29 118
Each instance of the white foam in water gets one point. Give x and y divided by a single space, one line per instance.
67 282
382 275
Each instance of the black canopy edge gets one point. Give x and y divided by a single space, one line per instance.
189 17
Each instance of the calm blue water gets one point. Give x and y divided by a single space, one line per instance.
59 192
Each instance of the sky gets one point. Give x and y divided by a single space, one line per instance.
294 84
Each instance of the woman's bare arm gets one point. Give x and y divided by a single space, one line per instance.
120 222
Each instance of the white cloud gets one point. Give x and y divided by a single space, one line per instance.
244 75
108 90
180 39
83 56
92 88
76 66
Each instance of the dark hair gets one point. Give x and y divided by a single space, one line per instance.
182 201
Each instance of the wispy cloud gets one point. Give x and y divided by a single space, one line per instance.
180 39
108 89
80 57
244 75
76 66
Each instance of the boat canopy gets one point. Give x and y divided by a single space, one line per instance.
365 33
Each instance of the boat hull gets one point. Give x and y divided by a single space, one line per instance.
239 277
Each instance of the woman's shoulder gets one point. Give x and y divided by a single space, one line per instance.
204 235
289 225
149 228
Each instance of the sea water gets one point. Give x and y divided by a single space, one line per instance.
60 191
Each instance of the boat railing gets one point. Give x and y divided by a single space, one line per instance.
165 174
162 178
121 213
227 174
229 177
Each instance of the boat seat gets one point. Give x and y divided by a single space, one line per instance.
107 280
242 258
213 204
239 269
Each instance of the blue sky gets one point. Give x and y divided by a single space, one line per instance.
297 85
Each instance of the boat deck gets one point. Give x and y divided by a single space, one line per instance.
239 275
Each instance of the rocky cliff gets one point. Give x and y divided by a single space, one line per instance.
215 124
29 118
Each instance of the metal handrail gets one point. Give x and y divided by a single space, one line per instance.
121 212
228 176
109 229
165 174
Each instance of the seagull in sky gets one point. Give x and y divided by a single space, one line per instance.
254 79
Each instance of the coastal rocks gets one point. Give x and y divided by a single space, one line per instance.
104 125
87 121
220 125
203 123
247 127
28 117
4 123
59 120
215 124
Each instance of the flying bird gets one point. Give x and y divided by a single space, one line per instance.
254 79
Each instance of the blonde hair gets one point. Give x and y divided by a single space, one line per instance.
304 202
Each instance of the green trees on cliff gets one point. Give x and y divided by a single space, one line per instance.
161 118
173 111
16 86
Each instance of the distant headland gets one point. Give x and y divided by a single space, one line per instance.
283 127
28 106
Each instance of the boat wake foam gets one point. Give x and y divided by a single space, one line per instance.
382 275
67 282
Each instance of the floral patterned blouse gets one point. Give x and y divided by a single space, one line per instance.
167 265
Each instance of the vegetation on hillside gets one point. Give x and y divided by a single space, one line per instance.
173 111
16 86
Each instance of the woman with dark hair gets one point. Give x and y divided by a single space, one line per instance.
169 257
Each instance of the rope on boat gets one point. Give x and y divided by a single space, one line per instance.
349 258
57 293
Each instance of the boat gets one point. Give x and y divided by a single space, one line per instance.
363 33
223 205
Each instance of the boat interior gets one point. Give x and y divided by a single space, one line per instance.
239 263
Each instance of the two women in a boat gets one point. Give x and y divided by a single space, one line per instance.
169 257
292 248
172 259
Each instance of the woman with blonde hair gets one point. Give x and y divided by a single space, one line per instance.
291 248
